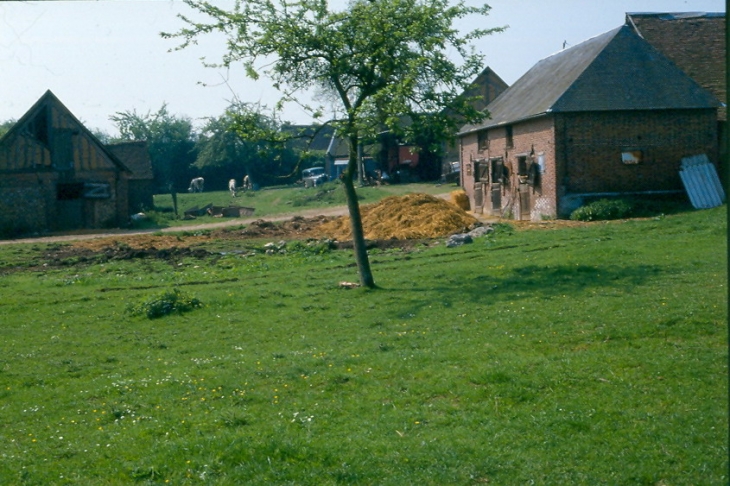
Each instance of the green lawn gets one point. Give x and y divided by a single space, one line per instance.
590 355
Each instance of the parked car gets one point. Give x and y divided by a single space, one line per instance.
314 176
450 172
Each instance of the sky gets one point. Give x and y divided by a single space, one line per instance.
104 57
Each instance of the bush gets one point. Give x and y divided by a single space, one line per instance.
167 302
502 229
603 209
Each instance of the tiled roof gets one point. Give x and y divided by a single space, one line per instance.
617 70
135 156
694 41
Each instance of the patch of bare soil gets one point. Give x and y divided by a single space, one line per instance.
550 224
395 222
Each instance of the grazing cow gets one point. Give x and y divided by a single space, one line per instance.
246 183
196 185
232 187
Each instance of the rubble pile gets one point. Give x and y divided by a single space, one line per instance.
412 216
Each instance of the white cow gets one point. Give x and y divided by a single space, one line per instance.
196 185
232 187
246 183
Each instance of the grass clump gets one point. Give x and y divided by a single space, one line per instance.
166 303
603 209
325 194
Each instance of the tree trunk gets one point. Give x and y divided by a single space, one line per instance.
173 193
353 207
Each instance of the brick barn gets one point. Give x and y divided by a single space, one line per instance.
57 176
611 116
695 42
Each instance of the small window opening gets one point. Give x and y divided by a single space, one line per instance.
38 126
522 165
483 140
509 136
74 190
481 171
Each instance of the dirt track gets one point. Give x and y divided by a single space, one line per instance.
296 225
94 234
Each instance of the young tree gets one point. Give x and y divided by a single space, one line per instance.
381 58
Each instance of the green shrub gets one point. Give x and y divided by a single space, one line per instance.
168 302
603 209
314 247
502 229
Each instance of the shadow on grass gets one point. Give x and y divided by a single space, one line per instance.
533 281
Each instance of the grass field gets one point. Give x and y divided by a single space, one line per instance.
588 355
272 202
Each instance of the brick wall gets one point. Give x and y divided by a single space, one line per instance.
582 154
590 147
534 138
24 205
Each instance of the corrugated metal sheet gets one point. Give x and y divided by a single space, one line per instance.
701 182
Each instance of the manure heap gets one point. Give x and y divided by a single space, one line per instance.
413 216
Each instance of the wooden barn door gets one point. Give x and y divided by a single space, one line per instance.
481 178
525 202
478 198
69 206
496 197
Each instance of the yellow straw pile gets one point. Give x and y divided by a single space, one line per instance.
404 217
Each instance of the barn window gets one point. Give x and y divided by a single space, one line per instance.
541 161
497 174
78 190
481 170
483 137
68 191
38 126
509 137
522 165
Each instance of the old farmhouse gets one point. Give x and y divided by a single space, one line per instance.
610 116
56 175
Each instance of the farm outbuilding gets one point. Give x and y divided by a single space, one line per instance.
57 176
696 43
483 90
610 116
135 156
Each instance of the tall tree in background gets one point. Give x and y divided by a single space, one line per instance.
246 141
170 142
221 151
382 58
